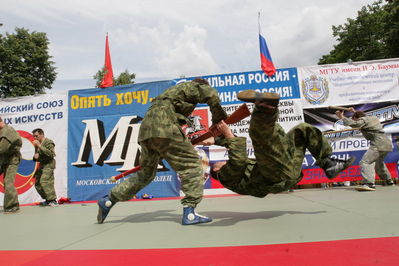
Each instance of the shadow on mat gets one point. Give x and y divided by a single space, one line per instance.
223 218
146 217
231 218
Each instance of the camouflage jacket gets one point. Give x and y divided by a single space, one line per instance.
371 128
46 154
243 176
11 143
171 108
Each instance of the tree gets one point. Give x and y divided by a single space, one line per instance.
123 78
374 34
392 27
25 65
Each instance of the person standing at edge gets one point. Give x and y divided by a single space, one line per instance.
380 145
44 154
10 158
161 137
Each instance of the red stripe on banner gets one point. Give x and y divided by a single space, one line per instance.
317 175
380 251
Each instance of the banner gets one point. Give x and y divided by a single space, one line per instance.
351 143
351 83
45 111
284 82
102 142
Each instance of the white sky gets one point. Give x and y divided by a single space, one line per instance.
160 40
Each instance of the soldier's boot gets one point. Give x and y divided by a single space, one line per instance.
259 98
104 206
388 182
335 166
11 210
191 217
43 203
50 203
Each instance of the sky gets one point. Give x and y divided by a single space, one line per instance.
160 40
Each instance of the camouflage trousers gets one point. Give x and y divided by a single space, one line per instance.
10 192
372 162
45 183
280 155
181 156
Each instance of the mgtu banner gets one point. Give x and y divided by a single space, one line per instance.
351 143
351 83
48 112
102 142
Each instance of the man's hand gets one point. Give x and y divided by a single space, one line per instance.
218 165
340 114
223 128
36 143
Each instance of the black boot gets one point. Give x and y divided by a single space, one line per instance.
335 166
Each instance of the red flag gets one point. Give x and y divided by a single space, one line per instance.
108 75
265 57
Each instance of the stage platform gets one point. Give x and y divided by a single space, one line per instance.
334 226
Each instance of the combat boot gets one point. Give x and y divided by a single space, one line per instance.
388 182
104 206
335 166
191 217
252 96
12 210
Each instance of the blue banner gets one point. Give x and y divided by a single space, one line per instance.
284 82
104 123
102 141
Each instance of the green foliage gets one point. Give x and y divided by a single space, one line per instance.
25 65
98 77
374 34
123 78
392 28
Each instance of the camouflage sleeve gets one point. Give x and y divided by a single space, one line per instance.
47 150
237 147
210 96
4 145
352 123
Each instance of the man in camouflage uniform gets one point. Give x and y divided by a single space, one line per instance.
10 157
161 137
44 154
279 156
380 145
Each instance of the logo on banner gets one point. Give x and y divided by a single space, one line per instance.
119 148
198 124
315 89
24 179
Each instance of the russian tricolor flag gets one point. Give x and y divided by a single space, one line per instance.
265 57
